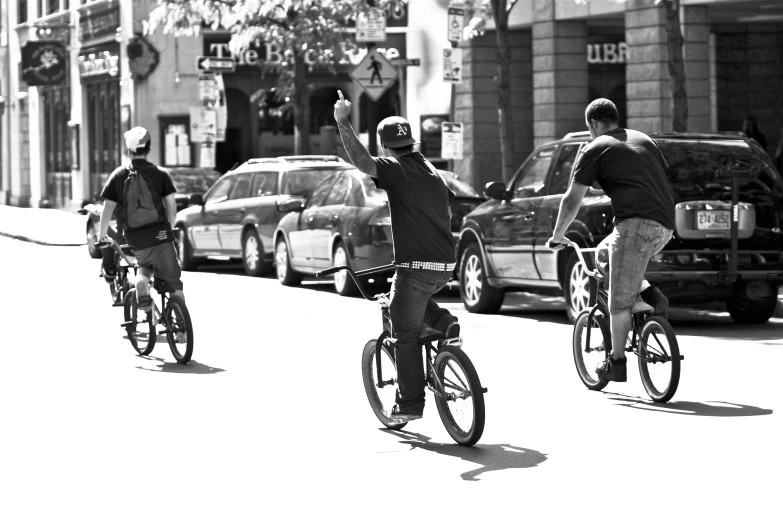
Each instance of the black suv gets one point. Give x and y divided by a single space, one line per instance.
502 242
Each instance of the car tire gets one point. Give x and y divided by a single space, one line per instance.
580 289
343 284
253 255
285 274
186 259
476 293
745 311
92 237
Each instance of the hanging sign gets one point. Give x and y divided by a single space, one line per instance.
207 89
43 63
451 140
452 65
456 23
203 124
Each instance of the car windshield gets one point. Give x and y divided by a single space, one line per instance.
701 168
194 182
457 186
302 182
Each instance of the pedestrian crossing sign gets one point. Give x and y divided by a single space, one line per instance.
375 73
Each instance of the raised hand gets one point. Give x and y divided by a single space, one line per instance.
342 107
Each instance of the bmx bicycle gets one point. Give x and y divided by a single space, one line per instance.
651 339
450 374
172 315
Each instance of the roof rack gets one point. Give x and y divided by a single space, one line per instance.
577 134
705 135
265 160
311 157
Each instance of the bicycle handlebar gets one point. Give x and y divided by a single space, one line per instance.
591 273
117 248
355 276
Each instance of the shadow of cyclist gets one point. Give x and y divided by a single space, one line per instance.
489 457
193 367
698 409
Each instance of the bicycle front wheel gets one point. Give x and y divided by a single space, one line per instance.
460 399
141 332
179 329
588 355
659 359
382 397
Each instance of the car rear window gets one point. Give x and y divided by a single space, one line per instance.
700 169
302 182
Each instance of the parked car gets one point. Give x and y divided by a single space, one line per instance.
346 220
502 242
187 180
237 216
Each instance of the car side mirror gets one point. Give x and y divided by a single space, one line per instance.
495 190
293 204
196 199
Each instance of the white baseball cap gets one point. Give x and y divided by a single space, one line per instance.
137 138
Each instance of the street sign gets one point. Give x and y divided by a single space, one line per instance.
207 155
451 140
405 62
375 73
456 23
203 124
371 27
207 87
452 65
211 63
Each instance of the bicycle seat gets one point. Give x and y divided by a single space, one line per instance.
641 307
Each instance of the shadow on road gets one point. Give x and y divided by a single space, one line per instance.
722 326
697 409
489 457
193 367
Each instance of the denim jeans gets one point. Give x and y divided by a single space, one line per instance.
410 307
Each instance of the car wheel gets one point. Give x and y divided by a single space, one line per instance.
746 311
580 288
285 274
186 259
476 293
343 283
92 237
253 255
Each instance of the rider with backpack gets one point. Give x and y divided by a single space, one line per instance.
144 195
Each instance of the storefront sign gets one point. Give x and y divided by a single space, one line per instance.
93 25
99 62
43 63
607 53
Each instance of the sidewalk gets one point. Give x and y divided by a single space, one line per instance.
44 226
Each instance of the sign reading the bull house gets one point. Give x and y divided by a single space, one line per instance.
100 23
43 63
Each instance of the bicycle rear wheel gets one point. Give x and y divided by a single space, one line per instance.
659 359
382 398
179 329
461 401
587 357
141 332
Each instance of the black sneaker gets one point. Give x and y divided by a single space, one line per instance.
447 324
452 330
398 416
612 370
655 298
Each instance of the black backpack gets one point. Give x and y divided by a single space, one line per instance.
141 202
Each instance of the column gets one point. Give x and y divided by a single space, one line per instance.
560 76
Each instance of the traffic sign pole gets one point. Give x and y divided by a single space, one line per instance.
372 118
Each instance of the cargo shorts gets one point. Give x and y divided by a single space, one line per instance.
161 261
629 248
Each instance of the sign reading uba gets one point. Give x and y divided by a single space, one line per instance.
607 53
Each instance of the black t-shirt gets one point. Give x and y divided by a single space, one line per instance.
630 168
419 202
157 179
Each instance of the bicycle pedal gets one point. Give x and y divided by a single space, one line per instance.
126 324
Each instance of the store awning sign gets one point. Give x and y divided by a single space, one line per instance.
43 63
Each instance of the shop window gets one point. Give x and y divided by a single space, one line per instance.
175 147
387 105
273 114
322 108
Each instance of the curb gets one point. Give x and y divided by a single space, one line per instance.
37 241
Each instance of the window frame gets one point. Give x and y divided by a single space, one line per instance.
164 122
518 176
232 196
227 179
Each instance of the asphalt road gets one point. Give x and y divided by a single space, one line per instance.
270 420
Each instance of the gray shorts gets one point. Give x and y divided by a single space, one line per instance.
161 261
629 248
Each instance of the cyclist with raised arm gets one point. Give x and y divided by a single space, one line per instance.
424 251
631 170
146 209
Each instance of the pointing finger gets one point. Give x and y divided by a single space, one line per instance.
340 94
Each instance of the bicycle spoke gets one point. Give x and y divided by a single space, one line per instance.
456 374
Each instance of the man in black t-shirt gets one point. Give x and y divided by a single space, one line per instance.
153 244
424 253
630 168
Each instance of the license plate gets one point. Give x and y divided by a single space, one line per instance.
713 219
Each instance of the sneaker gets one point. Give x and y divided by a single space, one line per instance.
447 324
452 329
612 370
398 416
655 298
